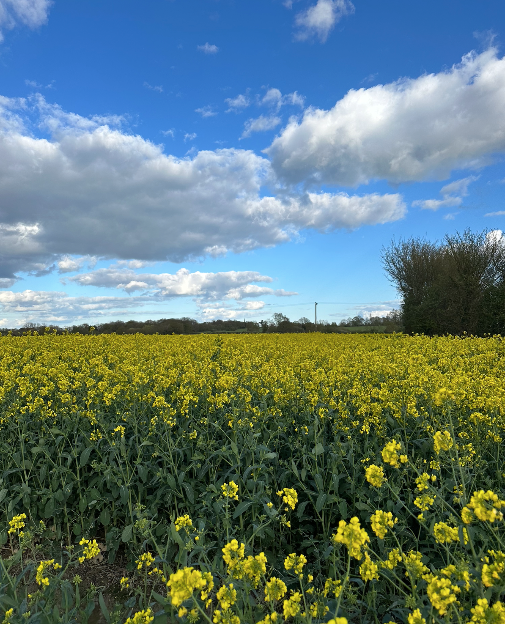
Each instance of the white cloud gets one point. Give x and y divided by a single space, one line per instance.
190 136
94 190
53 306
170 132
208 48
498 213
410 130
260 124
273 97
157 88
211 312
31 13
453 194
67 264
238 103
319 19
206 111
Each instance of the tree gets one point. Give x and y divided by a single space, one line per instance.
451 287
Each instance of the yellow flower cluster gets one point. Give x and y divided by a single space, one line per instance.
275 589
230 490
184 582
442 441
375 475
141 617
494 573
442 594
381 522
16 524
289 497
485 506
482 613
352 536
42 569
295 562
90 550
183 522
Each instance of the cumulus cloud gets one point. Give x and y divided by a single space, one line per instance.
206 111
206 286
452 193
31 13
410 130
190 136
238 103
67 264
208 48
320 19
260 124
95 190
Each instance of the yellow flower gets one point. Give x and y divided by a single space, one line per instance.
442 594
442 441
352 536
8 615
227 596
381 521
255 567
393 559
493 574
340 620
16 524
183 522
230 490
332 587
390 453
415 568
295 562
368 569
416 618
90 550
43 567
482 613
141 617
233 553
425 501
375 475
274 589
485 505
225 617
183 583
291 606
444 533
125 583
146 559
289 497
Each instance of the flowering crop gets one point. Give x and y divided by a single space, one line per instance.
262 478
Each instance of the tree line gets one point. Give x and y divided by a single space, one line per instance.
456 286
279 323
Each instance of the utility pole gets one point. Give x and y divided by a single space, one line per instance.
315 314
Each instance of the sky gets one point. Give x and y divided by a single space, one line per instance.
236 158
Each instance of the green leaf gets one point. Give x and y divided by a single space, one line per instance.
321 499
241 507
319 482
123 493
295 469
363 506
270 455
126 535
189 492
159 598
171 481
3 494
234 448
85 456
342 507
318 449
105 517
103 607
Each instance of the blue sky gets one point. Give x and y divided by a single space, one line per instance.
232 159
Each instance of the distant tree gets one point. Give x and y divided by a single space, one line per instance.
451 287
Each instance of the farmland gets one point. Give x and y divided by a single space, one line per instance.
250 478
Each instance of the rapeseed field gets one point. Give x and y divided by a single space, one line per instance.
254 478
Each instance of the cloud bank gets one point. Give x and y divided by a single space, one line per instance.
405 131
91 189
